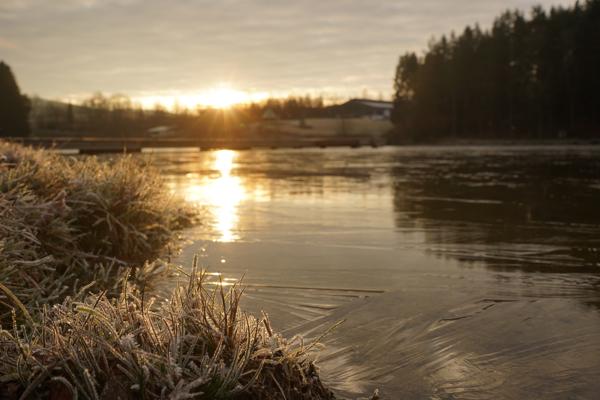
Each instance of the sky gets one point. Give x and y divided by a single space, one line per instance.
158 50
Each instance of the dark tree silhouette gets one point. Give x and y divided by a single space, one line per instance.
535 77
14 107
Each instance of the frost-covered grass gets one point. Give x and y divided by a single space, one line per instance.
67 223
81 242
196 345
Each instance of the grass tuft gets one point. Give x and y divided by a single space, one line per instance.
197 344
80 246
71 224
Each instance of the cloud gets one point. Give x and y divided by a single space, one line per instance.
6 44
74 46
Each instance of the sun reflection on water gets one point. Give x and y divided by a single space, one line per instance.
222 193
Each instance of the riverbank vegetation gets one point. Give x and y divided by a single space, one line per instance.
525 77
14 107
81 244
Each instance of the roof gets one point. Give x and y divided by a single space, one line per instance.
356 108
384 105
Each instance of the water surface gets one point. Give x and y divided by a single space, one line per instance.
460 272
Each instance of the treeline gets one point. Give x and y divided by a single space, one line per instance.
117 115
292 107
14 107
102 115
525 77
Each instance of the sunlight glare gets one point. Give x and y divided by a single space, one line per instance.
224 161
222 194
222 96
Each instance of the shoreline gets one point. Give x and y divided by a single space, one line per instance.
510 142
99 145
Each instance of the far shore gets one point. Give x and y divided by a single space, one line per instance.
97 145
507 142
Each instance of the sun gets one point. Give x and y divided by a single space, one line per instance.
223 97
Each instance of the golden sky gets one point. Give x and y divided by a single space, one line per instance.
192 52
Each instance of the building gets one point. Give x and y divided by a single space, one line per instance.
364 108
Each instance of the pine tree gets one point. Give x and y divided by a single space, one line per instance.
14 107
526 76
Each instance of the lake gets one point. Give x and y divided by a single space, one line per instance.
459 272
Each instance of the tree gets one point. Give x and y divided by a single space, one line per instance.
526 76
70 116
14 107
